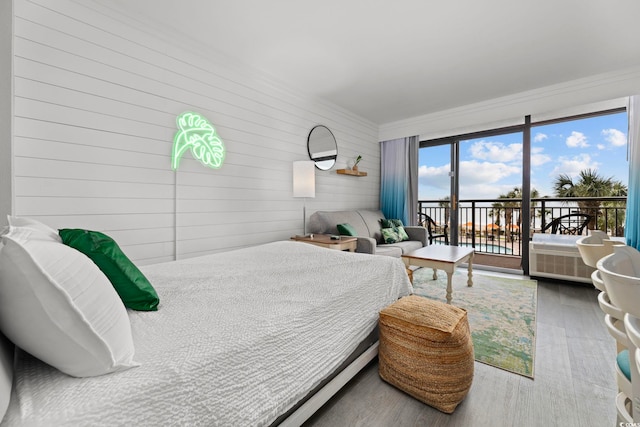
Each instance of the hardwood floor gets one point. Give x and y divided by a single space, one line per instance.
574 381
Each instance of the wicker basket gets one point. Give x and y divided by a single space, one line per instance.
426 351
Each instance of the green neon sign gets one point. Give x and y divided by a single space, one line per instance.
195 132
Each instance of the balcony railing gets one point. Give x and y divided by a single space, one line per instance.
494 226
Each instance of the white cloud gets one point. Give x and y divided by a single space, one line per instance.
539 137
496 151
538 158
477 179
577 140
614 137
479 190
601 146
437 177
487 172
573 165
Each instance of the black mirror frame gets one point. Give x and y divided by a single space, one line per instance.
327 162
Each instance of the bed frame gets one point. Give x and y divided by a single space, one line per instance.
314 403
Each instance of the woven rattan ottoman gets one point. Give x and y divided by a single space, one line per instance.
426 351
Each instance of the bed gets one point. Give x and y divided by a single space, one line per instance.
257 336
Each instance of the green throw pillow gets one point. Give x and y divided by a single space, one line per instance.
402 233
390 235
133 287
397 226
347 230
386 223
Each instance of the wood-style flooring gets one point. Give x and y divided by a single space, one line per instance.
574 381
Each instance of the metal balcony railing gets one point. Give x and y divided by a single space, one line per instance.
493 226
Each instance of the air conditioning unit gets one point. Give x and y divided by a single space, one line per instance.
556 256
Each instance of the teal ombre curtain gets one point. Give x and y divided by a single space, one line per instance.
632 221
399 179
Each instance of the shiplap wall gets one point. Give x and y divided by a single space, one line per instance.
96 96
6 28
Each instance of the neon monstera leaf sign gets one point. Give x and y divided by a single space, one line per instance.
196 133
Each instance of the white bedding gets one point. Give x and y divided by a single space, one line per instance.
239 338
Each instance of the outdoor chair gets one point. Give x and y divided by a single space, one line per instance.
432 228
573 223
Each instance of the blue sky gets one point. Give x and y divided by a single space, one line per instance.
493 166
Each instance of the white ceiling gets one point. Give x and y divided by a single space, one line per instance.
388 60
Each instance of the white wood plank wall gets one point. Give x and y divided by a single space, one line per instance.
96 96
6 28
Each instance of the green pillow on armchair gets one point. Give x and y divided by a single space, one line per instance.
397 226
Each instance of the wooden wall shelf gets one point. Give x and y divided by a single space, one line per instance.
351 172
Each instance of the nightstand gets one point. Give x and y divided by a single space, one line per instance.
324 240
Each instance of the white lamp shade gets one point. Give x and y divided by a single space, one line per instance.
304 179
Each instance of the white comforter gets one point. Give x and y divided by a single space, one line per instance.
239 338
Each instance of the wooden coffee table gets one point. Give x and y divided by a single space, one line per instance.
442 257
325 241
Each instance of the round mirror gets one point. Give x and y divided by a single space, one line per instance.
322 147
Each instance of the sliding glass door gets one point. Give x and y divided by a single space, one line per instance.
435 185
464 184
493 190
490 194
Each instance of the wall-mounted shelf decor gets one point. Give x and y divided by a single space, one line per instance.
351 172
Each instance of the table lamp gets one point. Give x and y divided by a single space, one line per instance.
304 185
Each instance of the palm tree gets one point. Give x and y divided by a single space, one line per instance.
494 213
513 205
615 222
588 184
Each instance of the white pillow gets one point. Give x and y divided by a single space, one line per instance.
37 229
57 305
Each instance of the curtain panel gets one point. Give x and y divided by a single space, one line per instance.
399 179
632 220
